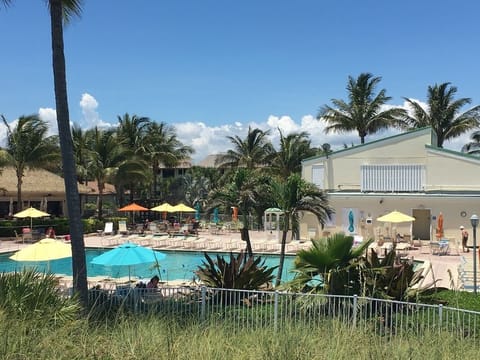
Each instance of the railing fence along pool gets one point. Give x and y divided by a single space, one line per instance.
241 309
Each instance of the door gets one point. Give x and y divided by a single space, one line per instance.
421 225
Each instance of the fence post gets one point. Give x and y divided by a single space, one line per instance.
202 308
440 315
275 311
355 302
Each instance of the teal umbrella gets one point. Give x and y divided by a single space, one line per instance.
198 208
128 254
351 228
215 216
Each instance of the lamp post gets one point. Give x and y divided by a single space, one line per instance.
474 222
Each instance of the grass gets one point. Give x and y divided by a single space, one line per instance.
153 337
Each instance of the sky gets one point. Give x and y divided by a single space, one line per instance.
213 68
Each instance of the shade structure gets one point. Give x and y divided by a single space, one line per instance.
133 207
165 207
183 208
128 254
31 213
396 217
44 250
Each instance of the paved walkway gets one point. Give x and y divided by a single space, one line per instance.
445 267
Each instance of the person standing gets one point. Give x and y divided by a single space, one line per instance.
464 239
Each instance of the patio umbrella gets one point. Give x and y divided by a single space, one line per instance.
216 219
165 207
183 208
396 217
234 213
440 226
198 208
351 228
132 208
31 212
128 254
43 250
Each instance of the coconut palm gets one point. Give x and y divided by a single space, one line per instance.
252 152
162 147
81 152
295 195
473 147
364 112
28 147
61 11
443 113
293 149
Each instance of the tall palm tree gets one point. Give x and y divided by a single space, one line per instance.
241 190
443 113
162 147
293 149
364 112
295 195
252 152
81 152
61 11
28 147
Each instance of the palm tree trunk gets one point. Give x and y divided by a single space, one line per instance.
245 235
282 258
79 267
19 191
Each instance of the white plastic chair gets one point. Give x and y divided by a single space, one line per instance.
108 229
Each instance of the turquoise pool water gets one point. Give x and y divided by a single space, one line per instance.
178 265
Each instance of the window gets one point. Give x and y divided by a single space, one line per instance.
318 172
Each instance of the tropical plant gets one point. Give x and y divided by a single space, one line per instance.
364 112
162 147
443 113
473 147
81 152
293 149
330 265
295 195
252 152
30 295
61 11
241 191
28 147
240 273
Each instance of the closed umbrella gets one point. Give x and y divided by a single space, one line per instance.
440 231
128 254
31 212
216 218
198 208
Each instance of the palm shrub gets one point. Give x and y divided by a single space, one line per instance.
241 272
35 296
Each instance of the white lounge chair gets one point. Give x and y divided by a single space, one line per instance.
122 227
108 230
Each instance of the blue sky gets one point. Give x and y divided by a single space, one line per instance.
212 68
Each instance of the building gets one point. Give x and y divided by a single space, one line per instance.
40 189
404 172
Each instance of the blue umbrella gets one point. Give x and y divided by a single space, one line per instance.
215 216
350 221
128 254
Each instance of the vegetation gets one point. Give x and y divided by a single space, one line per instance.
364 112
443 113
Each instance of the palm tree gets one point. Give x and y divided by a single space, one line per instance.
334 260
81 152
364 112
162 147
240 190
443 113
293 149
292 196
61 11
252 152
473 147
28 147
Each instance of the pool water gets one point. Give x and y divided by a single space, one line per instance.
178 265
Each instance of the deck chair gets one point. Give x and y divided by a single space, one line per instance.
122 227
108 229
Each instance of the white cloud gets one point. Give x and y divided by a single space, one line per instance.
91 118
49 115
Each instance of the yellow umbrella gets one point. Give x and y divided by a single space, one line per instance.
396 217
31 212
43 250
164 207
183 208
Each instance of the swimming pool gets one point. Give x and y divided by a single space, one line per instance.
178 265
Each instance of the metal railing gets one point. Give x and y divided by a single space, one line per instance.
240 309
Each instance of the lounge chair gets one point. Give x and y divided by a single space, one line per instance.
122 227
108 230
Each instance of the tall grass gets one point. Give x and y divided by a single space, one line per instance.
156 338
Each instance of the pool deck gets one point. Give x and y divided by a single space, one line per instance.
445 267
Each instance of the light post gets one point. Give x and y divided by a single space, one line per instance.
474 222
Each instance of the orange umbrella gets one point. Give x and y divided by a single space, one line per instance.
440 226
133 207
235 213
